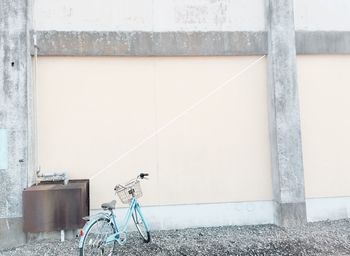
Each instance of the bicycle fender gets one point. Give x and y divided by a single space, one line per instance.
89 223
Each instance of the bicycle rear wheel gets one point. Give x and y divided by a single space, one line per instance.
95 239
141 225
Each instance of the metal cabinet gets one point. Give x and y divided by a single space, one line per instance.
50 207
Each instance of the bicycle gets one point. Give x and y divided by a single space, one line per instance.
101 232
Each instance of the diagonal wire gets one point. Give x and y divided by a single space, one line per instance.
190 108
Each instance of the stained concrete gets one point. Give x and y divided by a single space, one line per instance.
11 234
149 15
288 181
323 42
284 119
215 43
53 235
14 52
290 214
94 43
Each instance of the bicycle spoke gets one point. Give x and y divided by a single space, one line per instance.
141 227
96 237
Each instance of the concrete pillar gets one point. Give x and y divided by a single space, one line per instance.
285 134
14 64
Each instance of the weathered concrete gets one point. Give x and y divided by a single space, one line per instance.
93 43
327 208
149 15
11 232
53 235
14 52
286 148
181 216
290 214
323 42
85 43
324 15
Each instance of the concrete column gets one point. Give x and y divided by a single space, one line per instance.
14 64
285 134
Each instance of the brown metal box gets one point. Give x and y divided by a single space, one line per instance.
50 207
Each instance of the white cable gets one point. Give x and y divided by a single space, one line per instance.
194 105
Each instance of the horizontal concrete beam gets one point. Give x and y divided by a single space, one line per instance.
323 42
85 43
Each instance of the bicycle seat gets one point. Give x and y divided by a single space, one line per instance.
109 206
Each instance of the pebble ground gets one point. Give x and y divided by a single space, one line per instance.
319 238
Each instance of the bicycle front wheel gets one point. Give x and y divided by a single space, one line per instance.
95 239
141 224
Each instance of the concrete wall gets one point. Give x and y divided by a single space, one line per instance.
68 116
117 28
14 97
325 119
171 15
328 208
92 110
327 15
149 15
204 215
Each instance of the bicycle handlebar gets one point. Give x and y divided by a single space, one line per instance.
140 176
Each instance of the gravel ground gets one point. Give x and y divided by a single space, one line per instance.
320 238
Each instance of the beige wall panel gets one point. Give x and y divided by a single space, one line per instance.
92 110
324 83
219 151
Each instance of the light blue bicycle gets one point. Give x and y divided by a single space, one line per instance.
101 232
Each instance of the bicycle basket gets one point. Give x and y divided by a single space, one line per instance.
128 191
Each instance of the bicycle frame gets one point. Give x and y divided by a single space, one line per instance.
133 206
